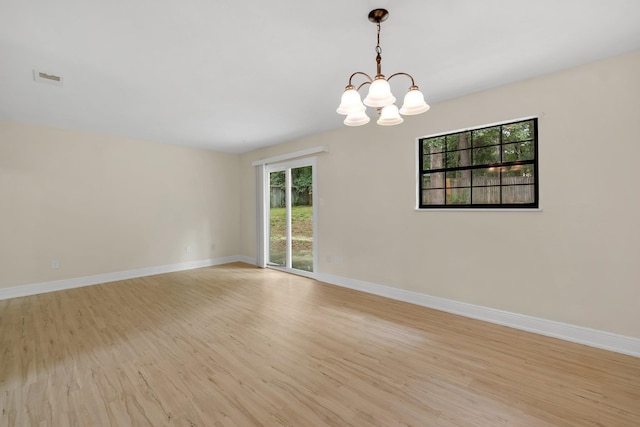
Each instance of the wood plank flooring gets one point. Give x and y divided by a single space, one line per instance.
235 345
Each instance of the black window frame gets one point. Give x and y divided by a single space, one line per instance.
500 166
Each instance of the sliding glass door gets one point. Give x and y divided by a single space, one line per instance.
291 215
278 230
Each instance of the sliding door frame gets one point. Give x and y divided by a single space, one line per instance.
265 212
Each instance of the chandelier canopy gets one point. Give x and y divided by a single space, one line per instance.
379 95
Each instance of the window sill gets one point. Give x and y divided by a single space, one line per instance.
479 210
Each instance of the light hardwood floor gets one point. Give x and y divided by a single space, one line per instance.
235 345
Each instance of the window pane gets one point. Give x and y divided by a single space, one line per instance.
459 196
488 176
277 219
518 151
433 145
452 142
459 179
486 195
433 180
458 158
433 197
488 136
521 131
302 219
453 159
518 194
486 155
528 170
434 161
519 174
458 141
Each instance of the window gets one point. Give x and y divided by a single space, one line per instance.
489 167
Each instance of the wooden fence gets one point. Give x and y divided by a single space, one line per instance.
486 190
300 198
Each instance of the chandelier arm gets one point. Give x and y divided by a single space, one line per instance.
413 84
361 73
363 84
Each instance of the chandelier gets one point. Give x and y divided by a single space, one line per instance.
379 95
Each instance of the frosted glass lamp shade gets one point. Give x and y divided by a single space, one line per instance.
350 102
358 118
390 116
379 94
413 103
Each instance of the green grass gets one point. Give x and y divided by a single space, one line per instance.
301 220
301 236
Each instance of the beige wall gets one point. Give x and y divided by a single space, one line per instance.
102 204
575 262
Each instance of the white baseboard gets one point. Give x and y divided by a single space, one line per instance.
246 259
59 285
578 334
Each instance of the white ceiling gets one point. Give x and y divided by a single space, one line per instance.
238 75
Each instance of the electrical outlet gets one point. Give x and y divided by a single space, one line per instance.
55 264
213 247
187 249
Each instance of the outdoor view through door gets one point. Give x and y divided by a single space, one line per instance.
291 218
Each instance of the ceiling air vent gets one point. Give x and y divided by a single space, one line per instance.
46 78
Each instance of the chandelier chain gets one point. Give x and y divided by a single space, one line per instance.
379 54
